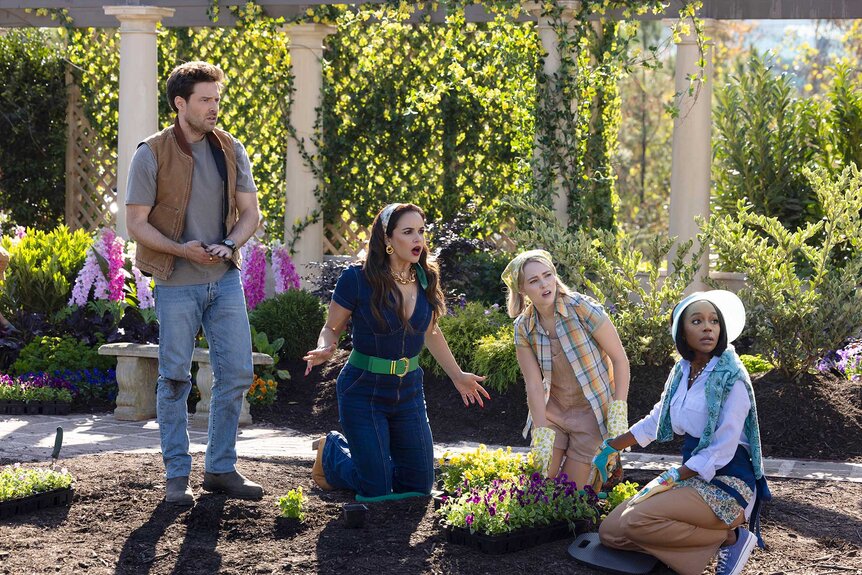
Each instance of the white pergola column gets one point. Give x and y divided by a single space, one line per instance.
551 66
139 94
306 60
690 179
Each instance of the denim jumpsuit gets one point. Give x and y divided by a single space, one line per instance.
387 445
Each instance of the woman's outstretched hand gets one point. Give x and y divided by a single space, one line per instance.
317 356
469 389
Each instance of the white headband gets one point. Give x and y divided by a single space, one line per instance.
386 214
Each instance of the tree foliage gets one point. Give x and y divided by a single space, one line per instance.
765 136
32 128
801 301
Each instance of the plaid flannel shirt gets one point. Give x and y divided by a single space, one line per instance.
576 317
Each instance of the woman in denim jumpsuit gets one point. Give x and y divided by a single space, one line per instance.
386 447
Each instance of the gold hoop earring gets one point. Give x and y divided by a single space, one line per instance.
390 250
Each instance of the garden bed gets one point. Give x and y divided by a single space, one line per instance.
118 525
817 417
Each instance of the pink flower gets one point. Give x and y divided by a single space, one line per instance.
283 269
253 272
111 248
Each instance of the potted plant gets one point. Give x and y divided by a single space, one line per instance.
25 489
513 514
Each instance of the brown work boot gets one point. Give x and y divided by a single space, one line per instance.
232 484
178 492
317 469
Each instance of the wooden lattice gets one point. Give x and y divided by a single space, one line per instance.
91 169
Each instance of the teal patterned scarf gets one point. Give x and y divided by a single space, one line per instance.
727 371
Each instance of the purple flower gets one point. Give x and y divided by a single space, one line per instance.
469 519
283 269
253 272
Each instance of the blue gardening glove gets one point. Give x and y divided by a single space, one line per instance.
661 483
603 462
541 446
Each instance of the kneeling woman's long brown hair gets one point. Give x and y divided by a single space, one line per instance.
377 271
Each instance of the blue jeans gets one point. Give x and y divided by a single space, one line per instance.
387 445
220 308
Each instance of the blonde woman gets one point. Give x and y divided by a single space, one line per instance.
574 366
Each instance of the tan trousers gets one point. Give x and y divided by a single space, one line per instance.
677 527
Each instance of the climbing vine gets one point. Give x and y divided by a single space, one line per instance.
442 114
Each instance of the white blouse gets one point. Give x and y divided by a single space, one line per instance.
688 414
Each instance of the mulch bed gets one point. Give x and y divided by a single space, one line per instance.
817 417
118 523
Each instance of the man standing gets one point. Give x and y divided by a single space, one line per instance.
191 204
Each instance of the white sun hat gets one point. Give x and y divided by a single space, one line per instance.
728 303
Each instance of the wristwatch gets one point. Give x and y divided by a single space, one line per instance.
229 243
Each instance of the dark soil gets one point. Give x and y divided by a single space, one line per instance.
816 417
118 524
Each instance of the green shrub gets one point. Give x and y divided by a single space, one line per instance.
495 358
755 363
33 148
294 315
50 354
463 329
476 276
608 266
799 303
765 136
42 270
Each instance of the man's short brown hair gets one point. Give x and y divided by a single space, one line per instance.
183 78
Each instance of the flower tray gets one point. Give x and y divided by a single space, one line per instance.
34 408
55 498
511 542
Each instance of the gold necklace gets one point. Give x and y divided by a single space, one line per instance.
399 276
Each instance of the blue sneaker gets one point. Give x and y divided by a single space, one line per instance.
732 559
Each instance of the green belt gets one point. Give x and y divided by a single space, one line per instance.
399 367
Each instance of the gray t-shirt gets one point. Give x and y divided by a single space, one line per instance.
204 213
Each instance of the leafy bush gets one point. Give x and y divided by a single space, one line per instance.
495 357
50 354
295 315
608 266
42 270
33 104
755 363
27 327
765 136
470 268
800 304
463 328
17 481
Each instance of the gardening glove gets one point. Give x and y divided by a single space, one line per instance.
618 418
661 483
603 462
541 447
